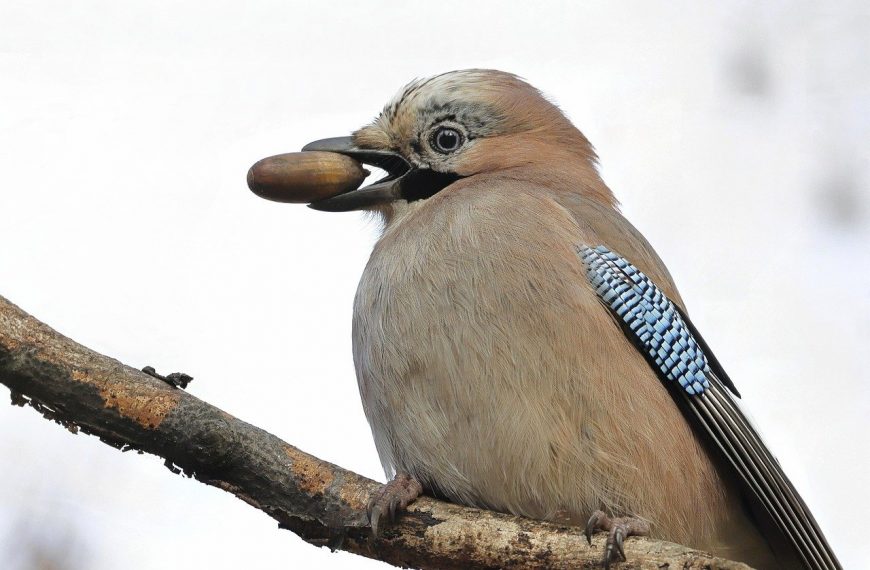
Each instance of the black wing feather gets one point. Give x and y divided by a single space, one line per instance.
625 291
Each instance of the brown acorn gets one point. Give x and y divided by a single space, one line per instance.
304 177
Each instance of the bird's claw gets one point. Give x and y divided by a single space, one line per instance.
618 529
392 497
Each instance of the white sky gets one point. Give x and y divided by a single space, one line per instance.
736 136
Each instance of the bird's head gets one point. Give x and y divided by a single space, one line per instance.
456 125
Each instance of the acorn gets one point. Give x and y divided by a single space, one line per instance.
305 177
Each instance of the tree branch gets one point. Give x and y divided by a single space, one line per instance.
322 503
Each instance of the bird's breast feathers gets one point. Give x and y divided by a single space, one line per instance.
475 327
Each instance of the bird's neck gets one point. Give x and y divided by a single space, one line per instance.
570 177
561 160
571 174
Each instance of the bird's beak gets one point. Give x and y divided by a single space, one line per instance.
383 191
402 182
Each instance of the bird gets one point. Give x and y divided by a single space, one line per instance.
520 346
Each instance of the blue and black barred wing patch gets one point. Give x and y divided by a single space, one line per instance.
650 317
681 359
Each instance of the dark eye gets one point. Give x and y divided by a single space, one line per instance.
446 140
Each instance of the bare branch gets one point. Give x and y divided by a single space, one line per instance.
321 502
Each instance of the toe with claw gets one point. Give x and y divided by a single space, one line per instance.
618 529
392 497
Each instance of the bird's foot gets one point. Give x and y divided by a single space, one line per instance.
176 379
394 496
618 529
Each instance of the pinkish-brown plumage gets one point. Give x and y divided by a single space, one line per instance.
488 367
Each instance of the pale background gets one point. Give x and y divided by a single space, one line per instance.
736 136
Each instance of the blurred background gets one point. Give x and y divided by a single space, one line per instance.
735 134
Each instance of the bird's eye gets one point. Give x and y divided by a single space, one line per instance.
446 140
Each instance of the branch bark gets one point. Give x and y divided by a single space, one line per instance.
321 502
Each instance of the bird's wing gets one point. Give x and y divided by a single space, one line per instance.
682 360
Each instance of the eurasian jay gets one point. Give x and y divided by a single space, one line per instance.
519 346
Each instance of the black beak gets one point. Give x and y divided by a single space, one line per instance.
383 191
402 182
